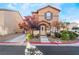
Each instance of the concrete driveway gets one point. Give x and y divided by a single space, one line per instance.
20 38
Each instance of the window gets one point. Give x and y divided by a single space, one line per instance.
48 15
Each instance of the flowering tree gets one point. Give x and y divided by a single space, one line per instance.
32 21
24 25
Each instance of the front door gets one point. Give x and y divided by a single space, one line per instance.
42 30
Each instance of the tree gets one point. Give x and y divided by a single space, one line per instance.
62 25
30 22
24 25
56 24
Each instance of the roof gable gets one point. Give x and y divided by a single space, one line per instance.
50 7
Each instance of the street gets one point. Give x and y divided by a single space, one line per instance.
46 50
59 50
11 50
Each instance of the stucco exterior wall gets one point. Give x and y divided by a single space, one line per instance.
1 18
55 16
53 11
9 22
1 22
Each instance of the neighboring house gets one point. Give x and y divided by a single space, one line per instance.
69 26
46 19
78 24
9 20
75 29
72 25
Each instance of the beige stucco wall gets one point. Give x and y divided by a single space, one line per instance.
1 18
10 20
55 13
13 18
43 11
1 22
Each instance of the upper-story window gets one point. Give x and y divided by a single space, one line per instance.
48 16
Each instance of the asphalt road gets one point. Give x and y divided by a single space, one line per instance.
59 50
47 50
11 50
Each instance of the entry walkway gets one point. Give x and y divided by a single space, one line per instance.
44 39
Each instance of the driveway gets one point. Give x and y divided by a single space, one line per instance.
20 38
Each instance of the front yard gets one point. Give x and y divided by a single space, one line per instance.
64 37
35 39
62 41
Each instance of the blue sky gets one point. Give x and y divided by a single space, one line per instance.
69 11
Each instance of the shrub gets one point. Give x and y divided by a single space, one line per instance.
65 35
36 36
72 35
75 34
68 35
48 34
57 35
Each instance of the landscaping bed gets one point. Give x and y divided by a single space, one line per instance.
64 37
62 41
35 39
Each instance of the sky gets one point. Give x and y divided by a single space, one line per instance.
69 11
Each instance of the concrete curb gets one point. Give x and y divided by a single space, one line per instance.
39 44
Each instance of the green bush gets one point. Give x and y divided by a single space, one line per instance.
65 35
68 35
57 35
72 35
48 34
29 36
75 34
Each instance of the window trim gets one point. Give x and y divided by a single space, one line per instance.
46 17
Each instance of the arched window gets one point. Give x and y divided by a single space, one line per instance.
48 16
